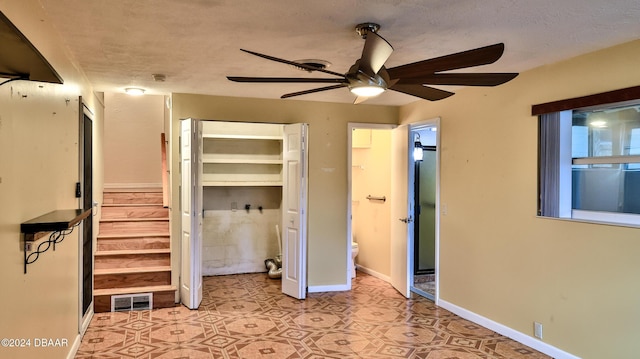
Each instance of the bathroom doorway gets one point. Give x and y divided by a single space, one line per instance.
370 207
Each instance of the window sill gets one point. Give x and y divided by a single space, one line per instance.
601 218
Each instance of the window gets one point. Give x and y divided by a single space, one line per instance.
590 164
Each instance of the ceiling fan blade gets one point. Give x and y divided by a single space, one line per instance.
476 57
375 53
284 80
312 91
460 79
292 63
425 92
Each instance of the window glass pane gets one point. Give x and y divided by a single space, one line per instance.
607 187
634 147
606 132
601 142
634 142
579 141
610 189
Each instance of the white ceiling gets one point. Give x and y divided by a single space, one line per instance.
195 43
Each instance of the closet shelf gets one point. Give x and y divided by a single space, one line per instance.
241 137
242 183
242 161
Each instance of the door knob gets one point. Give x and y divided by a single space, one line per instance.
406 220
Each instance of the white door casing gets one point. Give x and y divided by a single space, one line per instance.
294 211
191 214
401 210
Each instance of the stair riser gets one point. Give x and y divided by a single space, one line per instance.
115 244
102 303
132 197
134 227
134 212
132 260
130 280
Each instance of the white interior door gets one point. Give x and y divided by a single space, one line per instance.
294 211
401 210
191 215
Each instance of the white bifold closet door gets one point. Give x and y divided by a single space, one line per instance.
191 214
294 211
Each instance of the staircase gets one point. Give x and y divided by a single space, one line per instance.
133 253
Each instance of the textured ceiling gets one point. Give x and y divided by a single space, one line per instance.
195 43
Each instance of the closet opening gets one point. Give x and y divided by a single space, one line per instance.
245 203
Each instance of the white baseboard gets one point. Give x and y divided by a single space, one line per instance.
132 186
506 331
327 288
373 273
87 320
74 347
83 329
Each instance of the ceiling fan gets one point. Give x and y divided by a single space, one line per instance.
368 76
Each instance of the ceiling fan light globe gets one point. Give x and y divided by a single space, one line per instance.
367 90
134 91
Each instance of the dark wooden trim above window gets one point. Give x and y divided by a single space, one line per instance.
627 94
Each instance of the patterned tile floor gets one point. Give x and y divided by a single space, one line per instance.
246 316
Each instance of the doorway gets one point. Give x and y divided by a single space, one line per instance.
386 240
425 204
85 193
370 198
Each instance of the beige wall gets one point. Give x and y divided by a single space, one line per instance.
497 258
371 168
39 166
327 231
133 125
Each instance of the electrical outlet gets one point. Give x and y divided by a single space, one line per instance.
537 330
28 246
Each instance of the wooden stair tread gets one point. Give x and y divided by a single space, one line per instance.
136 219
133 251
133 290
159 205
108 189
128 270
133 235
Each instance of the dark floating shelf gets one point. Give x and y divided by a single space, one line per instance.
60 223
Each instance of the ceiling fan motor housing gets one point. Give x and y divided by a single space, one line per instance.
359 79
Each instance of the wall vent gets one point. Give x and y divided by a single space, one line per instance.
127 302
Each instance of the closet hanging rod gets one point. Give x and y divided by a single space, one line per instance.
372 198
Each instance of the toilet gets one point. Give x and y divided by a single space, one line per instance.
354 253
